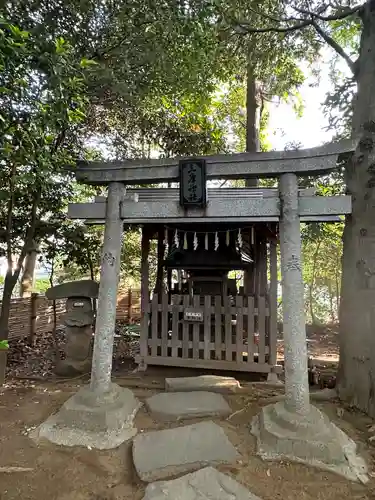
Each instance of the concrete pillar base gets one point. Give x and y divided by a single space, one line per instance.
101 421
273 379
312 439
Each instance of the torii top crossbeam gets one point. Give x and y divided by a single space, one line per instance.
314 161
242 205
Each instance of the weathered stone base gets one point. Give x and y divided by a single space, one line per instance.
211 383
87 419
170 452
273 379
205 484
310 439
169 406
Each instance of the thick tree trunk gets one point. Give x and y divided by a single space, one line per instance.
4 320
357 311
27 280
5 305
252 118
252 146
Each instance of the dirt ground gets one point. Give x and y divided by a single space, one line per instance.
322 343
58 473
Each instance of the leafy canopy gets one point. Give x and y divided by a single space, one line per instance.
43 102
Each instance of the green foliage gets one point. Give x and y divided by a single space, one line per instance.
322 253
139 77
145 53
41 285
43 101
42 105
338 105
185 127
346 32
159 67
73 250
4 345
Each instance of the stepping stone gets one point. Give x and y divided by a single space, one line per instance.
205 484
212 383
162 454
181 405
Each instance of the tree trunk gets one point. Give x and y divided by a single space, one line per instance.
356 383
54 308
4 320
159 283
252 146
337 285
331 297
252 118
311 285
5 305
92 276
311 304
27 280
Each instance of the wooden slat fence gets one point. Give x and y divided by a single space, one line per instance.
233 336
129 306
34 315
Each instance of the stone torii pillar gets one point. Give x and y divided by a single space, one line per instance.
100 415
294 429
107 300
295 351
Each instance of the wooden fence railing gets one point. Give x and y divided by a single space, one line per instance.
230 336
33 315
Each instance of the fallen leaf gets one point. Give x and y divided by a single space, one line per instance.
340 412
15 469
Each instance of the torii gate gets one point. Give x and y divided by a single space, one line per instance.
288 208
293 429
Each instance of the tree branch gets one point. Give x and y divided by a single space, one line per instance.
245 27
334 17
275 19
99 55
328 39
58 141
262 108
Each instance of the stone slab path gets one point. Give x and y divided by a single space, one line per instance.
182 405
205 484
212 383
166 453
